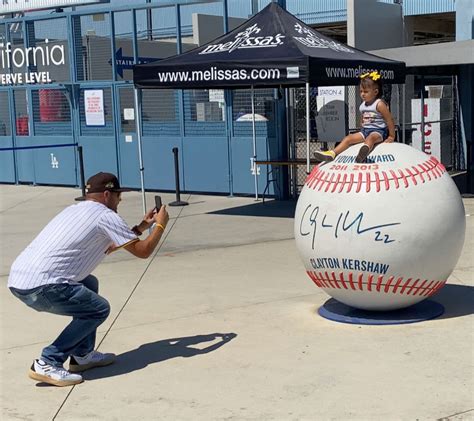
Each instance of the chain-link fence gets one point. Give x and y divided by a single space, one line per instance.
334 112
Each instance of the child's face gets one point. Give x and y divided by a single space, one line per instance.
368 93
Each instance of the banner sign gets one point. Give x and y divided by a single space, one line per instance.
41 56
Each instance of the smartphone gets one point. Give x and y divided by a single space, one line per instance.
158 203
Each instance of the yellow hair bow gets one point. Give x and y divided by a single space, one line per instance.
373 75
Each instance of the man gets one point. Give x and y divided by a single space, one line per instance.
53 274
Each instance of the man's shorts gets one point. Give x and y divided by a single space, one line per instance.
383 132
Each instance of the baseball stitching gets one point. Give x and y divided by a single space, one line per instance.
328 181
356 282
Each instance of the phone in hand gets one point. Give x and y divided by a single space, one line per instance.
158 203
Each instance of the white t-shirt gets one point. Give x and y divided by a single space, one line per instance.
371 118
70 247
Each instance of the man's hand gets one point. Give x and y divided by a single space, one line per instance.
390 139
148 218
161 217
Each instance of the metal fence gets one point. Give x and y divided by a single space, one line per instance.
433 107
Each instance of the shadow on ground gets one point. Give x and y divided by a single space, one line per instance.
269 208
458 301
154 352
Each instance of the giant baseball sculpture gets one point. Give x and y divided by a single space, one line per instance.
382 235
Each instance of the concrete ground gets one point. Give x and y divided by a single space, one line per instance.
221 324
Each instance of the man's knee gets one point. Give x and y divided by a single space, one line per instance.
103 310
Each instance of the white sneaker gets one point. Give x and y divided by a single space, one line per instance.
92 359
47 373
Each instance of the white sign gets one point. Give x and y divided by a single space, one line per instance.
129 114
331 118
216 95
12 6
94 107
437 135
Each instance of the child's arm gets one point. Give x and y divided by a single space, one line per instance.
387 116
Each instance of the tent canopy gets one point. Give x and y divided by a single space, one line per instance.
273 48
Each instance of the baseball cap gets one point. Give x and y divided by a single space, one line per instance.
104 181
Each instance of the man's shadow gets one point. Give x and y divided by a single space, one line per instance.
154 352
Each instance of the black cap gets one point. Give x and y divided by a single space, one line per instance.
104 181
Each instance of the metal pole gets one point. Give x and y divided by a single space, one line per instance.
140 152
254 133
81 175
178 201
422 104
307 128
81 170
403 114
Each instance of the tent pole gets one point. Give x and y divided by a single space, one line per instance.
254 165
307 127
139 141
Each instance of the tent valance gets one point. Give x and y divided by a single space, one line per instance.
273 48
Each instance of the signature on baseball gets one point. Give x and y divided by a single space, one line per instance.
313 220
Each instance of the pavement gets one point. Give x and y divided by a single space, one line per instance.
221 323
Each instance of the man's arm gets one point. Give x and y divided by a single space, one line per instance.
144 248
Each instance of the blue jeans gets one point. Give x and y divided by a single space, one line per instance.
82 302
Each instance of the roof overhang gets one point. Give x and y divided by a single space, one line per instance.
432 55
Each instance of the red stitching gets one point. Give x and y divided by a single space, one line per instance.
343 182
412 176
409 286
428 288
377 182
351 282
341 278
351 181
412 286
404 178
405 285
369 285
329 181
359 182
379 283
387 285
386 180
336 182
399 281
421 286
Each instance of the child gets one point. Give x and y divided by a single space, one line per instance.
377 122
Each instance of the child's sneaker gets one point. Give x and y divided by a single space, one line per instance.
47 373
363 154
92 359
325 156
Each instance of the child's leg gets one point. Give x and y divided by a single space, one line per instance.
349 140
345 143
370 141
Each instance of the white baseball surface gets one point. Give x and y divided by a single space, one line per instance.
382 235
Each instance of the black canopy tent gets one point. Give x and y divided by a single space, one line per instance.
271 49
